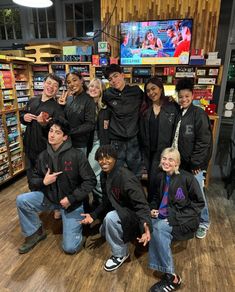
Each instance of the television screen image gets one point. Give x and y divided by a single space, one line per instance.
156 42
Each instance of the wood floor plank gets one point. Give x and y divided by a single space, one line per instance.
206 265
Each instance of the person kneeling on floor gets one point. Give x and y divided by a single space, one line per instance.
61 180
125 206
175 212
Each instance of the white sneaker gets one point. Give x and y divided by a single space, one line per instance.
114 263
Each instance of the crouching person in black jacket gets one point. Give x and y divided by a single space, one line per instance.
61 180
125 206
175 210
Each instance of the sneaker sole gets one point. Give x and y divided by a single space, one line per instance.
115 268
27 250
200 237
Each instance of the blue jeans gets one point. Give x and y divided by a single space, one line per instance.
204 218
97 191
128 152
160 255
28 206
112 230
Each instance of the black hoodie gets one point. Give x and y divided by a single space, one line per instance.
75 182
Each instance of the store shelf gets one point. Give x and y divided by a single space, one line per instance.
15 91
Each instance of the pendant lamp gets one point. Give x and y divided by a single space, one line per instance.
34 3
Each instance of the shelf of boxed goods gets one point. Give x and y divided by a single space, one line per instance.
14 141
21 73
202 75
61 71
38 74
5 171
7 103
62 68
14 93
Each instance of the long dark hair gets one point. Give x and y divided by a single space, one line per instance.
147 102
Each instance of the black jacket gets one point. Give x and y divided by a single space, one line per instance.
103 121
76 181
80 112
123 192
195 139
102 125
167 117
185 203
124 106
35 136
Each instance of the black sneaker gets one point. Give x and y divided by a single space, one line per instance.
166 284
114 263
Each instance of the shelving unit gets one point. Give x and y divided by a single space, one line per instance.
39 72
204 77
22 83
15 91
62 68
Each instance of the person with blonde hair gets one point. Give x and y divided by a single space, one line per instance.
99 135
175 212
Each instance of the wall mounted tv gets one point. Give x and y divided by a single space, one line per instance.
156 42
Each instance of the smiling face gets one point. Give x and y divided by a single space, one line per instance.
116 80
56 136
74 84
150 36
94 90
107 163
153 92
169 163
50 88
185 97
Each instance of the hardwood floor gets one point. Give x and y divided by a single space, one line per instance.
205 265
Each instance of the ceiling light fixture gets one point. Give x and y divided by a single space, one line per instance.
34 3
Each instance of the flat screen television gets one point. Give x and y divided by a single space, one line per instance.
156 42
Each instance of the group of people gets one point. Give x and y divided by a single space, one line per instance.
100 141
178 40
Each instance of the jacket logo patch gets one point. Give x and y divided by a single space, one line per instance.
189 130
106 124
171 117
116 192
179 196
68 166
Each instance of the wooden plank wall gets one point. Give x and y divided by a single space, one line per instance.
205 14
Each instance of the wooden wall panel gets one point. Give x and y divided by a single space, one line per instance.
205 14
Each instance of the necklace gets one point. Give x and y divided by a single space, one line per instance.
156 109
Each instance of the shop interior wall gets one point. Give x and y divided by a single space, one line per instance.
221 158
204 13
